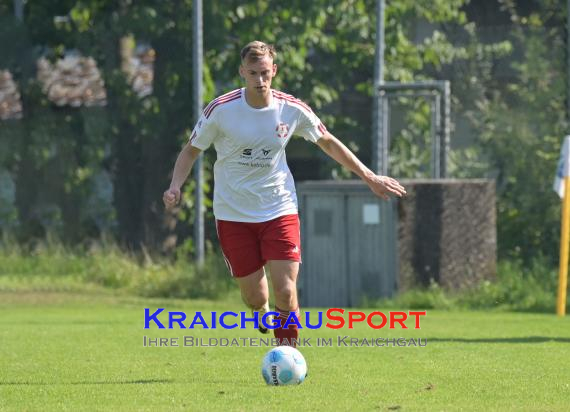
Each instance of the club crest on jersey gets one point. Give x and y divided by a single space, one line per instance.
282 130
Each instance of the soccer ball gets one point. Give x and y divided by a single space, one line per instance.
284 365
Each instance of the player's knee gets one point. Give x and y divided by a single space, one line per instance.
287 292
256 300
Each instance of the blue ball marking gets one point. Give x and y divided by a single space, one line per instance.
276 355
285 376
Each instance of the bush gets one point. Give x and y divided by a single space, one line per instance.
107 266
50 266
184 280
518 287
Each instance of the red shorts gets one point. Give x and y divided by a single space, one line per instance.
248 246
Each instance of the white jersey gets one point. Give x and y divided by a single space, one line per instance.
252 182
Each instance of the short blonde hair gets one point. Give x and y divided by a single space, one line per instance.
257 50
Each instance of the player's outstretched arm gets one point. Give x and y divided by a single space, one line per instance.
182 167
382 186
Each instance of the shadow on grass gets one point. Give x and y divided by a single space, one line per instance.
131 382
522 339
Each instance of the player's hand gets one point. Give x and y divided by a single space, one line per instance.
384 186
171 197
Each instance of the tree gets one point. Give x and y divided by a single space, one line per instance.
326 53
521 126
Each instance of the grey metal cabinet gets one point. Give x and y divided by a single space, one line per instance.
349 246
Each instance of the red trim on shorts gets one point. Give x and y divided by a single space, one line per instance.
225 258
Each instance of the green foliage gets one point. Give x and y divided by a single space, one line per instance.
521 126
51 266
181 280
325 52
126 149
8 210
325 56
411 150
55 267
519 286
432 297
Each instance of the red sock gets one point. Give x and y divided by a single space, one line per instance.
289 336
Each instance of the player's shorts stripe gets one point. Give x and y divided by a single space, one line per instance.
225 258
229 99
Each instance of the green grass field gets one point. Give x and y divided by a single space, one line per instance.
70 351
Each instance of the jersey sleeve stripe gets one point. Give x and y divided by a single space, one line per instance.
217 99
299 103
208 112
221 98
289 98
296 103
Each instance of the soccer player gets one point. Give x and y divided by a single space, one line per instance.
255 204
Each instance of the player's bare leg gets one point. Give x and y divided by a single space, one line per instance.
255 294
284 278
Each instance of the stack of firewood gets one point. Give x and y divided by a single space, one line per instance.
73 80
137 62
10 103
142 71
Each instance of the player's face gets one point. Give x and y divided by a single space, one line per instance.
258 75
